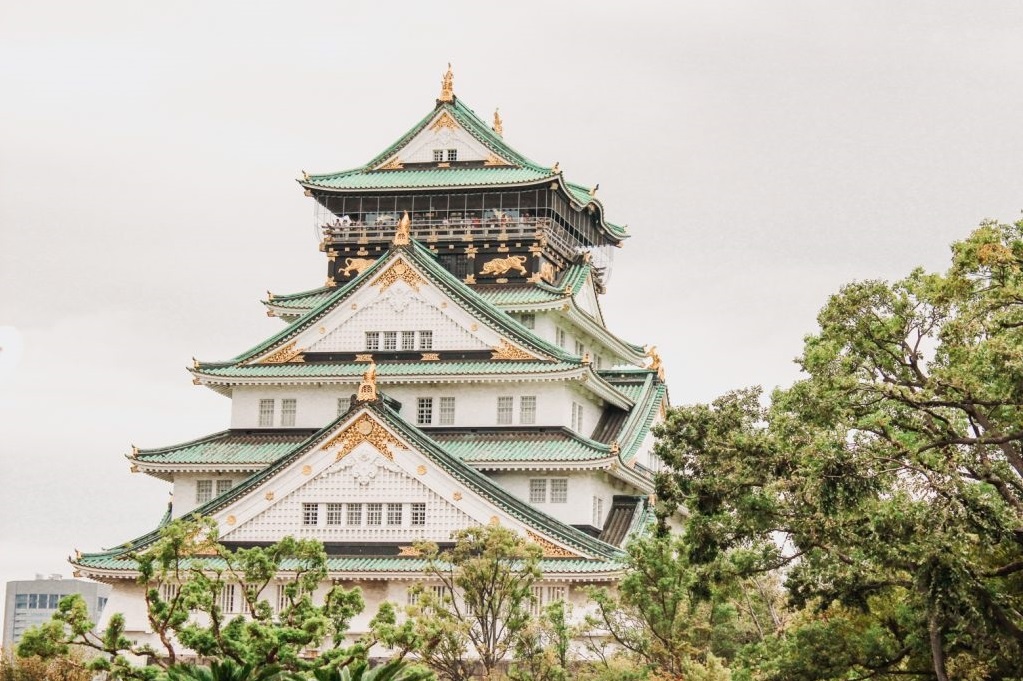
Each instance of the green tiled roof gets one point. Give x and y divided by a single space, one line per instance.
501 296
227 447
430 177
304 300
519 446
384 369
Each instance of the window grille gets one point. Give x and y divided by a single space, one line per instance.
227 598
408 340
203 491
310 514
580 349
528 320
374 514
54 601
394 513
598 511
504 410
168 592
447 411
390 340
426 340
559 490
372 340
577 417
438 155
354 514
282 597
411 596
560 334
223 486
288 408
538 491
536 601
266 413
424 411
555 593
342 405
334 512
418 514
452 154
527 410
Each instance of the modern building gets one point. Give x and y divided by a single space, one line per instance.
32 602
454 369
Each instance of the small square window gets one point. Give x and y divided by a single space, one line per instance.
538 491
418 514
223 486
452 154
390 340
438 155
310 514
203 491
408 340
447 411
354 514
288 409
504 410
424 411
394 513
527 410
334 514
374 514
559 491
426 340
266 413
372 340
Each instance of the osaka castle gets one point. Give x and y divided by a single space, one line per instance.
455 369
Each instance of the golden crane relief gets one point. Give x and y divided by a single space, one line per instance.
498 123
655 361
402 233
368 387
447 86
499 266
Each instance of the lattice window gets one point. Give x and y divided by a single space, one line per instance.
408 340
527 410
266 413
452 155
335 513
447 411
223 485
372 340
227 599
555 593
580 349
288 408
438 155
536 601
538 491
390 340
168 592
394 514
528 320
598 511
354 514
310 514
203 491
374 514
559 335
424 411
577 417
426 340
559 490
418 514
504 410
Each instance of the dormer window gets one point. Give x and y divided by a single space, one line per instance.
452 155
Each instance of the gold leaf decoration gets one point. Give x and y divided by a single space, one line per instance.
445 120
508 351
287 353
409 551
364 429
550 549
399 271
394 164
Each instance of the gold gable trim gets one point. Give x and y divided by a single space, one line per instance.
399 271
550 549
508 351
445 120
363 429
287 353
394 164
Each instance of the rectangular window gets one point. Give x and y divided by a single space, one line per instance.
334 514
168 592
447 411
538 491
504 410
354 514
426 340
266 413
438 155
203 491
374 514
528 320
282 597
527 410
555 593
452 154
559 491
33 601
408 340
227 598
598 511
394 514
310 514
560 336
580 349
223 486
536 601
424 411
342 404
577 417
21 601
54 600
600 362
390 340
418 514
372 340
288 408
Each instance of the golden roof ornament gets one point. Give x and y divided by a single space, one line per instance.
655 361
498 126
368 387
447 86
402 232
593 192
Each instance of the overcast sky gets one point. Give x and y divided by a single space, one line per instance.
761 153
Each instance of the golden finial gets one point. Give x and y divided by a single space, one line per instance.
593 192
368 387
447 86
586 358
615 449
401 233
655 361
556 168
498 123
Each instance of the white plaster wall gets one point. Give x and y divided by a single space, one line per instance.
184 488
316 405
583 486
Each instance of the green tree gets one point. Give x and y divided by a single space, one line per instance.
890 478
474 619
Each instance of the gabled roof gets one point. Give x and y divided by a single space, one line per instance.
543 524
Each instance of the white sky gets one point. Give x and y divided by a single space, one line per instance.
762 154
